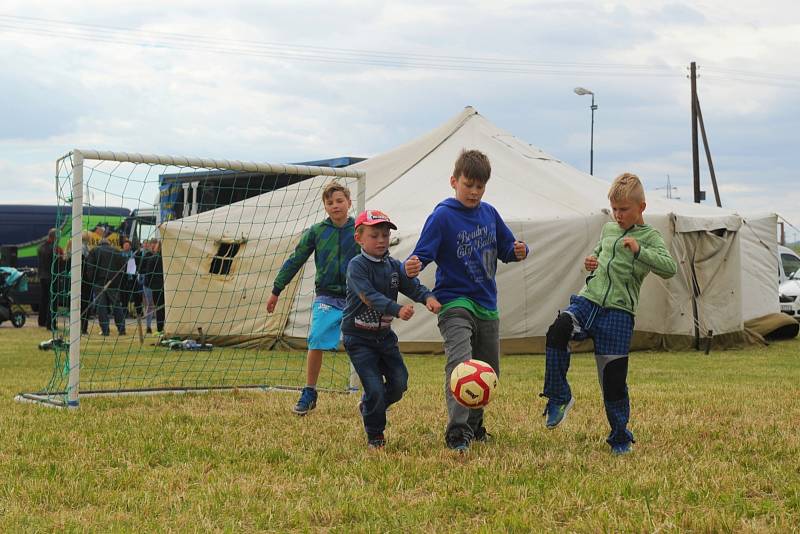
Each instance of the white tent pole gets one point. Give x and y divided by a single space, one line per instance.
195 185
186 202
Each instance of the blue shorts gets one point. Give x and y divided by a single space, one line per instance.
326 325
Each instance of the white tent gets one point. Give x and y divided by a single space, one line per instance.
726 274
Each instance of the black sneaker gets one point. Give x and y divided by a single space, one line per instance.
482 436
459 444
376 442
149 330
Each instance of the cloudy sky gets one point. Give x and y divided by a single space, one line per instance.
291 81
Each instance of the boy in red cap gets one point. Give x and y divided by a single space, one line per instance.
373 281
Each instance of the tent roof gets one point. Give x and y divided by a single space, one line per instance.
526 184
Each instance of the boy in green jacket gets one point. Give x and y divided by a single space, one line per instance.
604 310
333 245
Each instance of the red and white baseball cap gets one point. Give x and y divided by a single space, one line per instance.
373 217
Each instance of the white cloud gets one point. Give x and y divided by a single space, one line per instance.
259 105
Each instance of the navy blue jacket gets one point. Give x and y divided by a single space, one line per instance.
372 288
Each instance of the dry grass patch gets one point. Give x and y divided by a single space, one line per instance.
716 450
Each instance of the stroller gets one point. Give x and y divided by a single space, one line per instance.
12 280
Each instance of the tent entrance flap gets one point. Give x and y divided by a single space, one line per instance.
709 262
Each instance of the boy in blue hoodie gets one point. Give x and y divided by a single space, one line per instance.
466 237
373 281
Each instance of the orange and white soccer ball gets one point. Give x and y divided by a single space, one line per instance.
473 383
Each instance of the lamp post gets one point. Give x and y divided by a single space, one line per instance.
581 91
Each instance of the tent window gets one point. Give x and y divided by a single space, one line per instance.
222 261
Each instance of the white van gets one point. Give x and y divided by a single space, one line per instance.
789 287
788 263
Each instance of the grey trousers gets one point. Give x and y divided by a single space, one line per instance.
466 337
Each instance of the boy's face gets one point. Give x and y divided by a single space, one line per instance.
468 192
374 240
337 206
627 212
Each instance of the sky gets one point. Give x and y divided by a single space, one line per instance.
296 81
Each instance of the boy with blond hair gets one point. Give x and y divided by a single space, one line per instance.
466 237
331 241
604 310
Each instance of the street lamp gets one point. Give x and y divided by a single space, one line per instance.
581 91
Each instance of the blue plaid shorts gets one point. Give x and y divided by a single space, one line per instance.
610 329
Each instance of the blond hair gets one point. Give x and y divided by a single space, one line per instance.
626 186
334 187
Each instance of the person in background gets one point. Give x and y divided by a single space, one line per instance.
45 254
152 267
106 268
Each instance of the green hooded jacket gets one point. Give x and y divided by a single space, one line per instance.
618 278
333 248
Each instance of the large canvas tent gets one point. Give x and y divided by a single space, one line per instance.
726 262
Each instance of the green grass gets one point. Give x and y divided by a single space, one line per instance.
717 450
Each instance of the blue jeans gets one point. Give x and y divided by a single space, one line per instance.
383 375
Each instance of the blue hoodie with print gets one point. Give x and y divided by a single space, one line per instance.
465 243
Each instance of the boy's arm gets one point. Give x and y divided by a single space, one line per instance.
358 281
295 262
412 288
655 255
598 248
429 240
506 241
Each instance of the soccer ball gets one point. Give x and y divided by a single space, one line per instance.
473 383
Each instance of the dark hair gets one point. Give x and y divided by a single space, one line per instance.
473 165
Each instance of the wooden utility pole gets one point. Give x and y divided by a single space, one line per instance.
708 154
698 195
697 118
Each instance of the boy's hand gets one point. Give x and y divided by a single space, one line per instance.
433 304
631 244
406 312
413 266
273 300
520 250
590 263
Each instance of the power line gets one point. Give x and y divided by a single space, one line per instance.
285 51
61 29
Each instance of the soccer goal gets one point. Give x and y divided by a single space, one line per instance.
168 294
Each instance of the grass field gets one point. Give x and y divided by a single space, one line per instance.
718 450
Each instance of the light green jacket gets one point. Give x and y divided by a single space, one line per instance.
618 278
